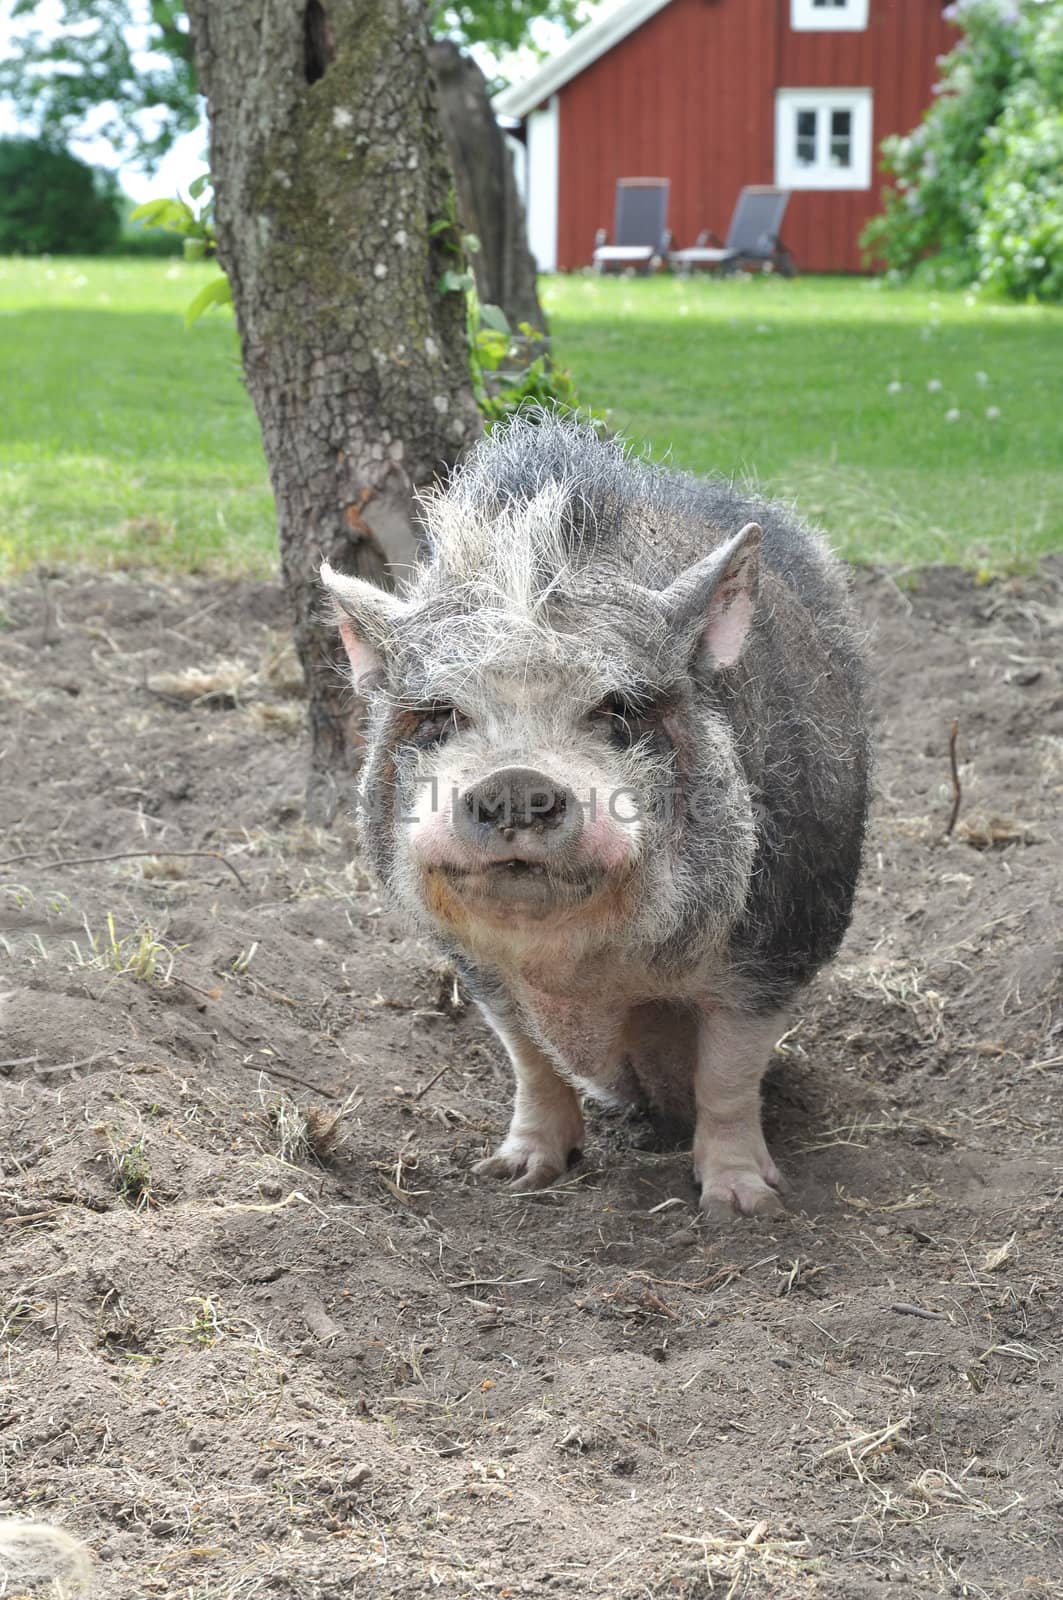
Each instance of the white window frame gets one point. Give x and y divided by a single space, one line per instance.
807 17
789 174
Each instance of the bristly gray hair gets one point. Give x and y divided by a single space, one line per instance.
544 503
533 503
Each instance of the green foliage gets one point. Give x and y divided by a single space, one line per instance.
218 292
194 224
51 203
508 371
511 371
978 186
500 25
123 67
1019 237
132 1174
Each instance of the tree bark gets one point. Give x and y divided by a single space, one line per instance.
488 200
329 169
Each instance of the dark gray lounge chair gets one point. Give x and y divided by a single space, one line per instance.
753 238
640 232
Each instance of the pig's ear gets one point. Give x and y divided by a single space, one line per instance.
713 601
366 617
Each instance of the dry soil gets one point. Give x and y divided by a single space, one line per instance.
262 1333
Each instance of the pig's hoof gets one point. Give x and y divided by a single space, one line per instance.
527 1165
742 1193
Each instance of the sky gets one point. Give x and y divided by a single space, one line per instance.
188 158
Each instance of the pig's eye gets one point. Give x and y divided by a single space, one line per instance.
621 720
429 726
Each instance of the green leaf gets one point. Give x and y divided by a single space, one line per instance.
471 243
218 292
494 317
492 348
453 282
149 212
197 186
173 215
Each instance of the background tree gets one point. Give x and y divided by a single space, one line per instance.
978 185
124 69
121 70
49 201
330 176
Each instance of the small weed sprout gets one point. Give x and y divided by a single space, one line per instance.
14 1313
243 961
133 1175
204 1327
141 954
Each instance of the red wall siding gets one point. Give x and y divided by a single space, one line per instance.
690 96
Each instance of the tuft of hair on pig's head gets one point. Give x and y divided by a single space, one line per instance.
540 706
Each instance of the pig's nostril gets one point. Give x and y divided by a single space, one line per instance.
484 807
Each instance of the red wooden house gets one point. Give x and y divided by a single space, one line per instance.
716 94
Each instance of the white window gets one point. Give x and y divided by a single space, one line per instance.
807 16
823 138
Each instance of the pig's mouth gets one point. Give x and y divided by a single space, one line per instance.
518 882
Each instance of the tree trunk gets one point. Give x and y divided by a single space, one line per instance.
488 201
329 169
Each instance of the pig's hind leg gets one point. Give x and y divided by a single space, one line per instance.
731 1159
546 1129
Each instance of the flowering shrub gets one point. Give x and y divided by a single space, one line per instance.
978 185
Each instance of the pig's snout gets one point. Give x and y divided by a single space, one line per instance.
519 812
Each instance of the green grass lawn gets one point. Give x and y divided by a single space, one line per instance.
787 384
125 439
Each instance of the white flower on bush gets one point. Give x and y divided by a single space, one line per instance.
934 386
894 387
981 379
992 413
952 414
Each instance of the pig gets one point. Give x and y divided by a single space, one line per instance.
616 765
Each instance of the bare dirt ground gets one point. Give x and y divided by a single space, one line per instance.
264 1336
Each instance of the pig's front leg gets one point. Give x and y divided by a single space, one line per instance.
731 1160
547 1123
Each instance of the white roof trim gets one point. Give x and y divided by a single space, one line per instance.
582 49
